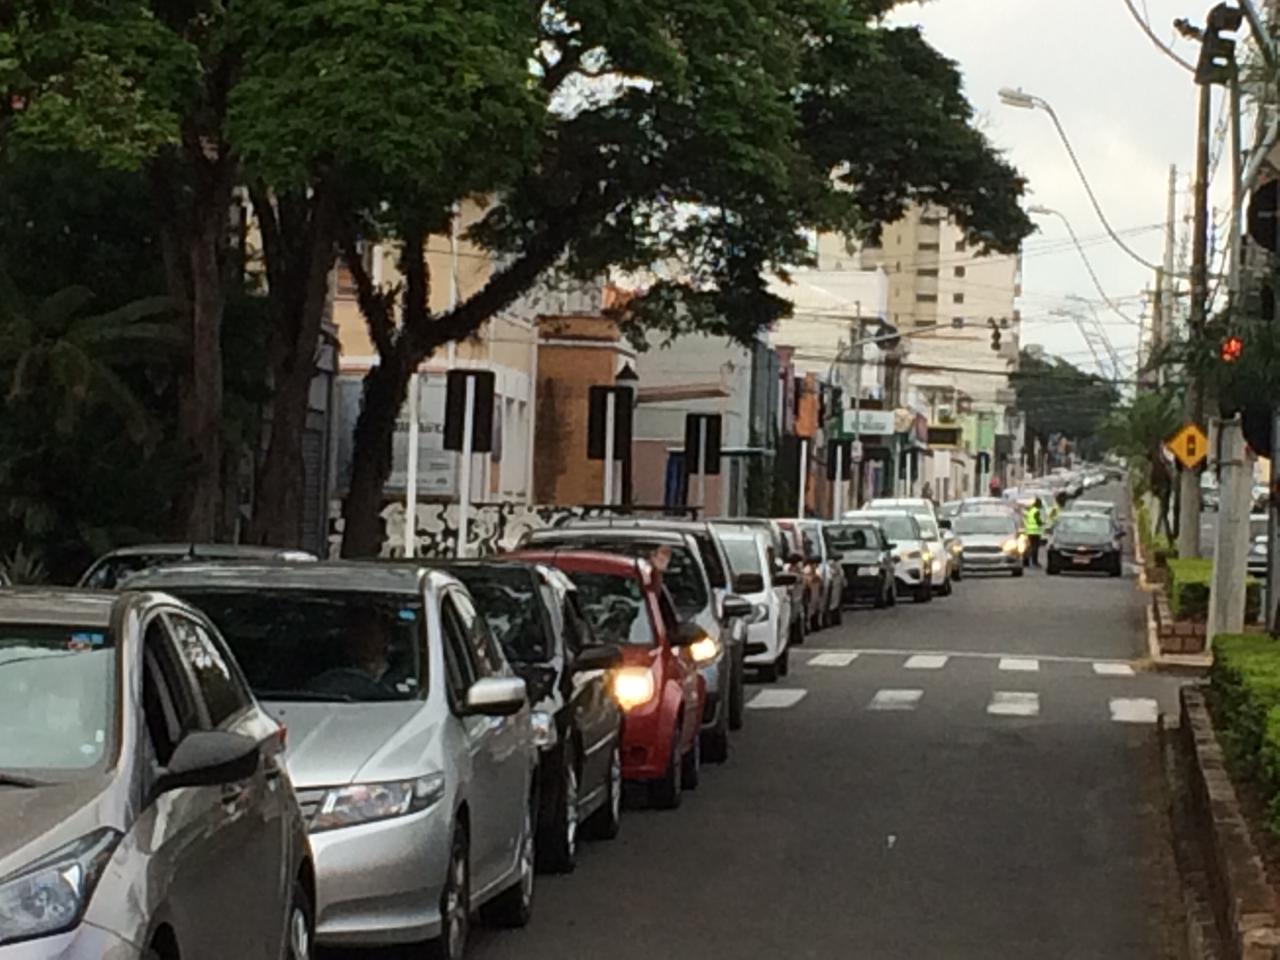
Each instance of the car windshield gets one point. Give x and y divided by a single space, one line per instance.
744 554
615 606
841 537
928 527
507 599
681 573
983 525
899 526
1087 528
111 570
348 646
57 701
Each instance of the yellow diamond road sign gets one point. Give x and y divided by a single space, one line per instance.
1189 445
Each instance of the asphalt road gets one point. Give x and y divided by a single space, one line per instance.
972 778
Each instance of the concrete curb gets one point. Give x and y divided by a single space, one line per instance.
1193 664
1244 904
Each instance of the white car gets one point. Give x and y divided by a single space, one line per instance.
944 548
914 561
756 578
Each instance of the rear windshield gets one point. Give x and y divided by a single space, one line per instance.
899 526
744 555
57 701
109 571
345 647
983 524
615 607
512 608
1092 528
847 537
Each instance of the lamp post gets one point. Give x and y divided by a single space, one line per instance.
630 380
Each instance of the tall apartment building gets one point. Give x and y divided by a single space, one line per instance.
944 296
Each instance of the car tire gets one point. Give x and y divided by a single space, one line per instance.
1116 568
768 672
665 793
1051 568
882 596
558 837
797 632
738 695
946 589
837 616
784 663
893 592
301 931
606 822
1017 571
514 906
714 744
455 902
957 574
924 593
691 766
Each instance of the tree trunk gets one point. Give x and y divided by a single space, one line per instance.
277 495
200 389
385 392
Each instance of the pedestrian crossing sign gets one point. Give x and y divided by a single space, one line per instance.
1189 445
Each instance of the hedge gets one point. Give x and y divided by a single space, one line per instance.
1189 583
1244 692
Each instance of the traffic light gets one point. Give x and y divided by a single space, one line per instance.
1218 53
1231 350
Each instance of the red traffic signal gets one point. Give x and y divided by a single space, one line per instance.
1231 350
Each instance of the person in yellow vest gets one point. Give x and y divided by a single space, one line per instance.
1059 501
1033 526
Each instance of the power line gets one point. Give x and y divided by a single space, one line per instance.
1163 47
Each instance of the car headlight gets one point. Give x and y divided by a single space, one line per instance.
633 687
544 728
1011 546
704 650
50 895
369 802
761 613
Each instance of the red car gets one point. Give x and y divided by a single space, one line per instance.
657 685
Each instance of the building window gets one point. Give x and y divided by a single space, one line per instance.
960 271
957 322
926 322
927 273
957 298
960 247
926 298
930 221
930 247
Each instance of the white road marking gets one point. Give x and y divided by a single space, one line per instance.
776 699
1019 664
895 700
926 661
957 654
1113 669
833 659
1134 710
1009 704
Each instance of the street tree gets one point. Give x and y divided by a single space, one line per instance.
1060 399
707 135
1136 432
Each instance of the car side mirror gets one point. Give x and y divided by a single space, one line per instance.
736 608
496 697
891 546
689 633
748 583
209 758
785 579
601 656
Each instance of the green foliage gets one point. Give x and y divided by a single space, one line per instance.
1190 582
1060 398
1244 693
21 568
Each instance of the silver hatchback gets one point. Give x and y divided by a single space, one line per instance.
410 743
142 790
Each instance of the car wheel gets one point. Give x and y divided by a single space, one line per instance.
514 906
837 617
455 902
1017 571
302 924
893 592
1051 568
882 596
957 574
768 672
691 766
947 589
784 663
558 838
715 743
797 632
924 593
1116 568
665 794
738 694
605 823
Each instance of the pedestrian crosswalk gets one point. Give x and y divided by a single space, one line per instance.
832 659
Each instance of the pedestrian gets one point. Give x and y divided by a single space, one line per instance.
1033 526
927 490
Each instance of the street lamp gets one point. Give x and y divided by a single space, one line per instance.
1022 100
629 380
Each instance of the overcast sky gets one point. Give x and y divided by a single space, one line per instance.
1128 111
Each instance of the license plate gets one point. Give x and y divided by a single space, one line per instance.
1081 560
868 571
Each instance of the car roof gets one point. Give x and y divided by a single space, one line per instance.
589 561
741 532
337 576
79 608
207 550
1094 506
639 534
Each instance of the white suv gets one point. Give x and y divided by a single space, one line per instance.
945 559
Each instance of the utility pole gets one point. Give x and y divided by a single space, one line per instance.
1165 278
1231 552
